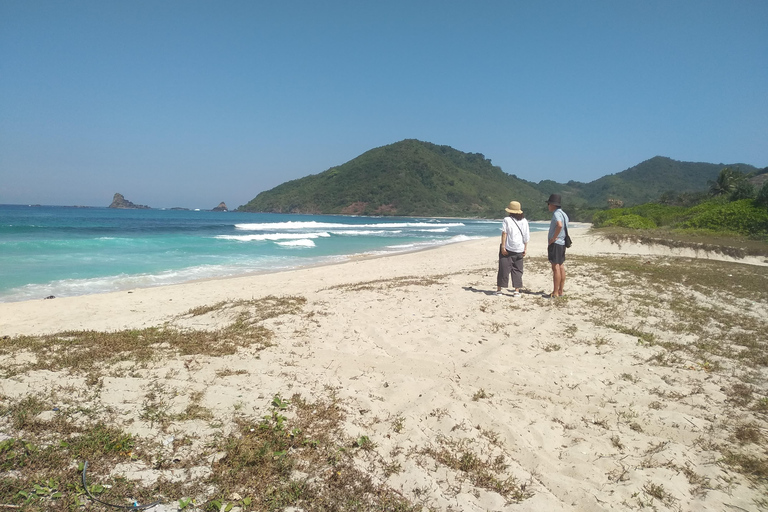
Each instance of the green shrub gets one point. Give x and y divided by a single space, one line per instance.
632 221
742 190
656 214
660 214
762 196
743 217
600 219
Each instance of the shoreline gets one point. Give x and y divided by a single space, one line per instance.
36 317
145 306
36 281
117 254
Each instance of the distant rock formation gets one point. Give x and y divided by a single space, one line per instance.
121 202
221 208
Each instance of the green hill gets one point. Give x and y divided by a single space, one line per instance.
407 178
648 180
415 178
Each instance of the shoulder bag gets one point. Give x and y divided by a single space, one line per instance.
568 241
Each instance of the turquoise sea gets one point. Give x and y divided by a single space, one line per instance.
66 251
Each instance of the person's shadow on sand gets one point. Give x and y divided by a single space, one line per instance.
475 290
493 292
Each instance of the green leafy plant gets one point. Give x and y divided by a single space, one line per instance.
365 443
47 490
280 403
219 506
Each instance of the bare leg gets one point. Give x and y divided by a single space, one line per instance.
555 279
558 279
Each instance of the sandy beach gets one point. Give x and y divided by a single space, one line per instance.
605 399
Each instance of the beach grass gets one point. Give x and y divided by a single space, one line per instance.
735 245
92 352
700 315
298 454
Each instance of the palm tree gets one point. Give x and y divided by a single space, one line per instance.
725 183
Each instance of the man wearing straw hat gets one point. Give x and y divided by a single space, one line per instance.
556 245
514 244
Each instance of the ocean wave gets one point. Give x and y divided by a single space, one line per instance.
432 243
273 237
121 282
298 243
463 238
367 232
274 226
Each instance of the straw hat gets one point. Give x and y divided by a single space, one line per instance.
514 207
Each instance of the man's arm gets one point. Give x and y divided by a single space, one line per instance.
557 232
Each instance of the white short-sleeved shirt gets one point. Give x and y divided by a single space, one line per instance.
516 238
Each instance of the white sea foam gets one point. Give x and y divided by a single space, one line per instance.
432 243
74 287
438 230
273 237
298 243
368 232
274 226
462 238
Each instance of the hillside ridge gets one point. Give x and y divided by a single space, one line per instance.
417 178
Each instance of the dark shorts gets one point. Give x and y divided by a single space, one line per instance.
556 254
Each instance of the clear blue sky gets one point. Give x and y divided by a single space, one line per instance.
189 103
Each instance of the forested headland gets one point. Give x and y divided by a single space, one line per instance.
416 178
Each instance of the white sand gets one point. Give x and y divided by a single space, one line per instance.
568 423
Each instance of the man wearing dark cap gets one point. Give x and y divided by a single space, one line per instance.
556 245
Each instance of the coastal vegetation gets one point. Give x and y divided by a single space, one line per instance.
44 462
733 209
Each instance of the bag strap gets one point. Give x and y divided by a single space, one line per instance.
518 228
565 224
